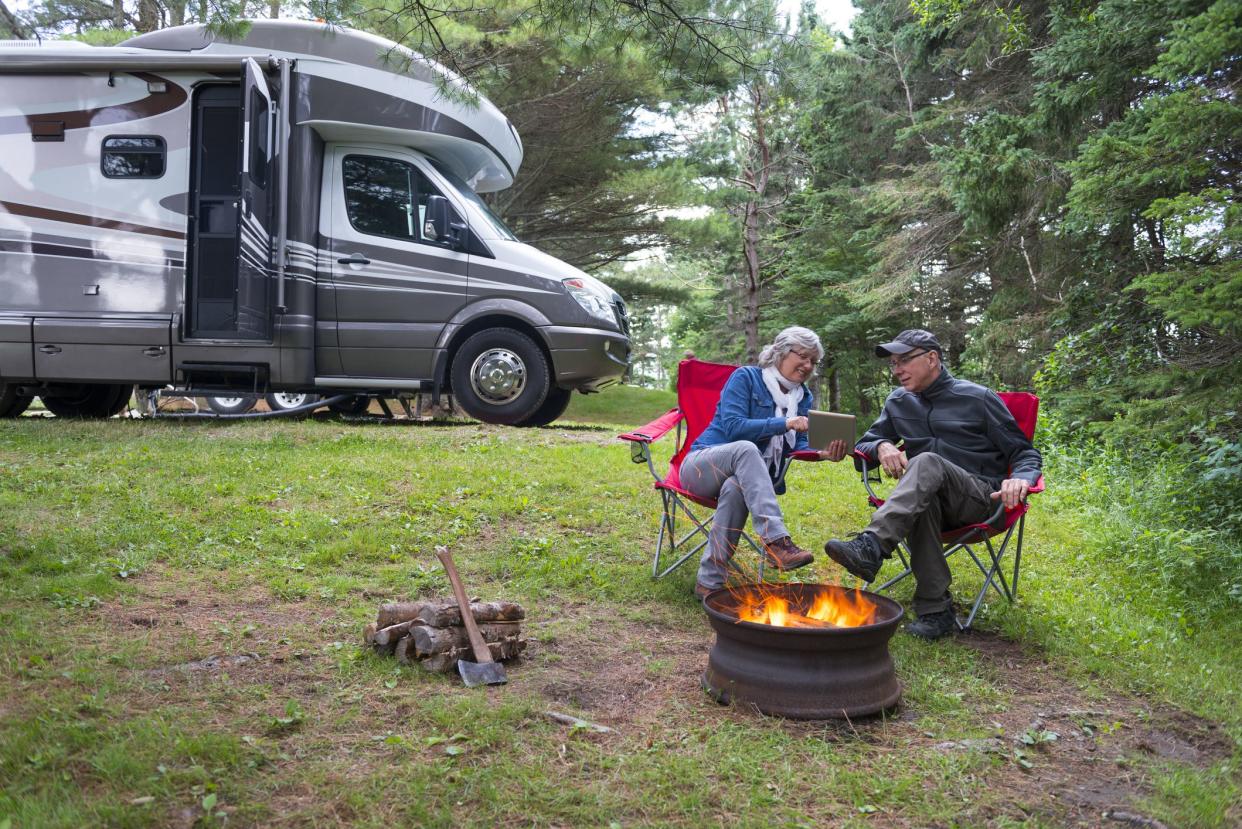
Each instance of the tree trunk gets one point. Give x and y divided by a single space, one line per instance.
273 9
118 14
9 21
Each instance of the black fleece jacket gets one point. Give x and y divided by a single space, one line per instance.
962 422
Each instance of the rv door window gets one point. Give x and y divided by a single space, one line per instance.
258 138
132 156
389 197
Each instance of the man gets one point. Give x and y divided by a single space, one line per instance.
961 453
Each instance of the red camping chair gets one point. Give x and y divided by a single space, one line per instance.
1025 410
698 391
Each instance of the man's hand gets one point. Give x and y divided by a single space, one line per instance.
1012 492
798 424
892 460
834 452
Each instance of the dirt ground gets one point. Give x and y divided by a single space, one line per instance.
629 675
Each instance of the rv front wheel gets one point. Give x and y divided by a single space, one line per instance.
553 407
12 404
90 401
500 376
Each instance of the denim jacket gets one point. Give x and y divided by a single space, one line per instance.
746 411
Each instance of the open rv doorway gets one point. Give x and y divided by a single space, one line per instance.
229 264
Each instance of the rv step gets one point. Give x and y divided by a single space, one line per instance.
230 376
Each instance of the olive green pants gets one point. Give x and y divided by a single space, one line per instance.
932 496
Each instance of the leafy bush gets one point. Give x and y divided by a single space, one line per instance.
1171 516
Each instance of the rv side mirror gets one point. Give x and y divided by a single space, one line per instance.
437 221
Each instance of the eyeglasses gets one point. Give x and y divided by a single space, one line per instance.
898 362
806 358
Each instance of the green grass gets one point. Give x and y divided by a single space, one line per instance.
629 406
282 538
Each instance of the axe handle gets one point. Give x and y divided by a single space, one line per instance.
482 653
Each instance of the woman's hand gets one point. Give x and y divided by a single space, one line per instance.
834 452
798 424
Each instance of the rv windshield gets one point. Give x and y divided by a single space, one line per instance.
473 197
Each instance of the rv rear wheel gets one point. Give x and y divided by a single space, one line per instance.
553 407
89 401
500 376
12 404
230 405
284 401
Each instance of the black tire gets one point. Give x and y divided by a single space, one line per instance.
500 375
12 404
553 407
231 405
282 401
356 405
90 401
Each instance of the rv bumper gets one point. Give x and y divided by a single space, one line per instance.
587 359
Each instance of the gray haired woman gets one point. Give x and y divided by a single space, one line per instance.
737 460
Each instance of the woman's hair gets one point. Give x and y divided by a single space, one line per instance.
795 336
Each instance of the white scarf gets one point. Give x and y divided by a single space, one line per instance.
786 395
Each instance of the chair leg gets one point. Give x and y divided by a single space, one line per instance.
905 564
1017 556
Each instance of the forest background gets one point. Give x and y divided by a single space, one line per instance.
1049 185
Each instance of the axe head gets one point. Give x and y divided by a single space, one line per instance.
481 673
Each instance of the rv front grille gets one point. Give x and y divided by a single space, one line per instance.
623 319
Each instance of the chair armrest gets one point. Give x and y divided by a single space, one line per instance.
656 429
1039 486
805 455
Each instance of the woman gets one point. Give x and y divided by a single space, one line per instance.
760 420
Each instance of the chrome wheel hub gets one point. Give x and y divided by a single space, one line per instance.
498 375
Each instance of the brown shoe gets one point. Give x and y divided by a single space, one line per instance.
701 590
783 554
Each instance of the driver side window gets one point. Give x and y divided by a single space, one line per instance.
389 197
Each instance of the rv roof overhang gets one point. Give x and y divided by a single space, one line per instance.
478 166
34 63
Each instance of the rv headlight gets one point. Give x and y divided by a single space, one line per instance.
591 302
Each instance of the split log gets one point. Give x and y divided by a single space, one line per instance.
390 634
368 633
397 612
446 662
429 640
449 615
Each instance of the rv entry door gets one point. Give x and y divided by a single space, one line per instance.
254 220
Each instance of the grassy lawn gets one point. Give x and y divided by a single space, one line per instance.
129 550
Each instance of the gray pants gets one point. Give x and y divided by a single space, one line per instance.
933 495
737 476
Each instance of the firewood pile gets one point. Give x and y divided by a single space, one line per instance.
431 634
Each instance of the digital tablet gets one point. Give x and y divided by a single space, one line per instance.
829 426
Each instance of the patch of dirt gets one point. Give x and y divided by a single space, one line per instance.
627 676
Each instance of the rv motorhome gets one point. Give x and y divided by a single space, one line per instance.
295 210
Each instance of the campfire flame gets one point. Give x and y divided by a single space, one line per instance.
830 608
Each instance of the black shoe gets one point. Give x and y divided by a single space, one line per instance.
784 555
934 625
861 555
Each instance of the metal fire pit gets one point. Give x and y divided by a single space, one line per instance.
802 672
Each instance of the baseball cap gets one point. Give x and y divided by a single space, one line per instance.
909 340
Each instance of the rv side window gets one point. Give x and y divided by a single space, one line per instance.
387 197
258 138
133 156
